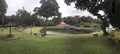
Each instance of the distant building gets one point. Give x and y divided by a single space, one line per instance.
63 25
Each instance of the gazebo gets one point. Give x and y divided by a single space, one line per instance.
63 25
10 25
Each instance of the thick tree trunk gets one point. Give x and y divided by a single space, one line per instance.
103 25
104 28
104 31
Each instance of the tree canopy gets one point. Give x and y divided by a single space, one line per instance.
82 21
3 9
25 18
48 8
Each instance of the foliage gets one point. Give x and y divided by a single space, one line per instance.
109 7
75 21
115 35
48 8
24 18
82 21
56 21
94 6
3 9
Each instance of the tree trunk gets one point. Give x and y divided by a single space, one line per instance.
2 19
45 28
103 25
104 30
31 30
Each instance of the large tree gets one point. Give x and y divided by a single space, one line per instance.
48 8
94 6
111 8
23 18
3 9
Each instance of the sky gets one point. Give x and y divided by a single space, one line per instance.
29 5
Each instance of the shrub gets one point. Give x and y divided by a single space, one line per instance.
115 36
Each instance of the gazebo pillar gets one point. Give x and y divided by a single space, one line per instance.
10 30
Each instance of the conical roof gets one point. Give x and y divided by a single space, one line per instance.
10 24
62 23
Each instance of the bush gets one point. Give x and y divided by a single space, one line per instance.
69 30
115 36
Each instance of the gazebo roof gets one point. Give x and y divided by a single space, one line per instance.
63 24
10 24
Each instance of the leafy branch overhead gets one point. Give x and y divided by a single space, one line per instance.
110 8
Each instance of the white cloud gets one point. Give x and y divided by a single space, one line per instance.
29 5
14 5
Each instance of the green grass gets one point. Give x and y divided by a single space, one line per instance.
56 44
115 35
34 29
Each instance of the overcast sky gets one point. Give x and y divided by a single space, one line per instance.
29 5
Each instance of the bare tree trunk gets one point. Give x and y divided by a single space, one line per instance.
2 20
45 28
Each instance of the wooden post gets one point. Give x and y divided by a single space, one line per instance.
46 19
31 30
10 30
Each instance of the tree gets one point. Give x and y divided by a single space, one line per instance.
92 6
3 9
111 8
24 18
48 8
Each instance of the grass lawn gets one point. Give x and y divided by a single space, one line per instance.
34 29
56 44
